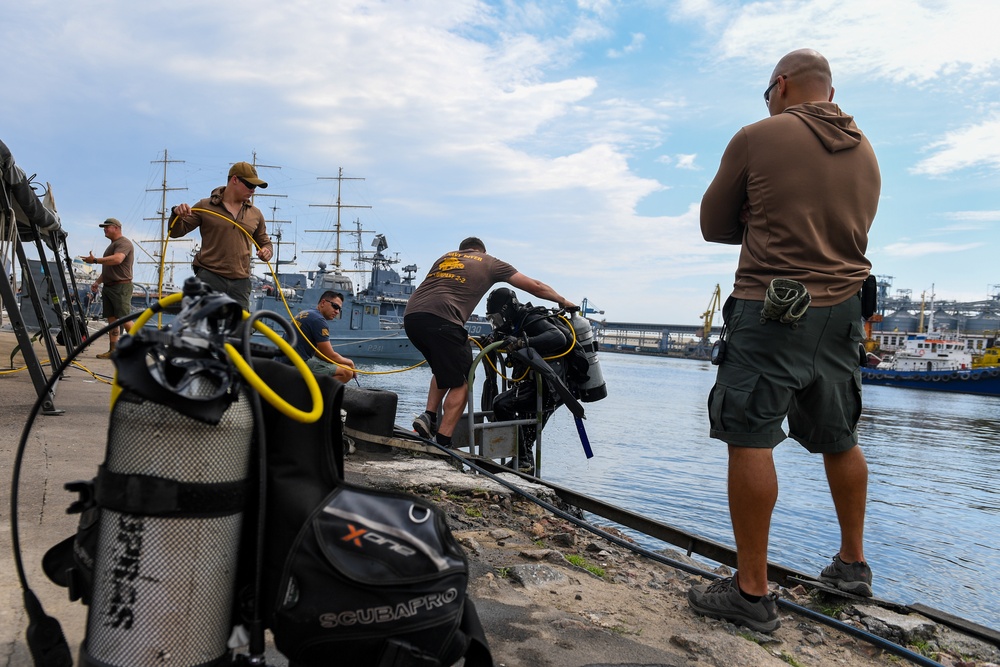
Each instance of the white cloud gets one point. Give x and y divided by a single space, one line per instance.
950 230
638 39
686 161
887 39
975 145
978 216
914 250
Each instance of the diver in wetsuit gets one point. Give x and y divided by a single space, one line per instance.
526 326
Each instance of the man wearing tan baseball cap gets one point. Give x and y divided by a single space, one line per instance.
116 276
231 228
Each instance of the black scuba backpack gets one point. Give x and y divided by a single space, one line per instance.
355 576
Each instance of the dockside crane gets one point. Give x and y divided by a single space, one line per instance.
586 308
714 304
709 315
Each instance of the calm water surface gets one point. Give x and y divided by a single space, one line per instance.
933 523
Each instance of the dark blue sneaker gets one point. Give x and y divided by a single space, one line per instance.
721 599
854 578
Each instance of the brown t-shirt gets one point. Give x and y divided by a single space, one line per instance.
119 272
810 182
225 243
456 283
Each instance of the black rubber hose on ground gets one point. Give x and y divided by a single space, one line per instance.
864 635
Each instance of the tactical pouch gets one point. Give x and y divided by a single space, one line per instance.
786 301
869 297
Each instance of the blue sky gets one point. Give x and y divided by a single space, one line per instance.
575 138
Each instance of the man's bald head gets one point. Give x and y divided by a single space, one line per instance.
803 76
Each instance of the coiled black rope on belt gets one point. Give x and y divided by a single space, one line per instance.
819 617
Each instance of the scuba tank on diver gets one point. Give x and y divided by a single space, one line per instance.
171 493
594 388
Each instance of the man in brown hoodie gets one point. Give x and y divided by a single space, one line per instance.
231 227
798 192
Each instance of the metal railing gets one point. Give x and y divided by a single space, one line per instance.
504 443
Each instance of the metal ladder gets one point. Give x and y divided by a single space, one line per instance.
493 439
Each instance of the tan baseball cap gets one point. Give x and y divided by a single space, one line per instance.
246 171
110 222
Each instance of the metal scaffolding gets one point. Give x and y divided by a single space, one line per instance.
46 295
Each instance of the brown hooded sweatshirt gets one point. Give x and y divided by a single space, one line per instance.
811 183
225 249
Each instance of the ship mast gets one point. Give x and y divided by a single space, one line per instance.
273 207
276 236
159 258
338 229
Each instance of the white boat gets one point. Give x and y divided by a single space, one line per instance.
929 352
935 363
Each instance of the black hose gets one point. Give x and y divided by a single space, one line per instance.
23 443
864 635
257 636
45 637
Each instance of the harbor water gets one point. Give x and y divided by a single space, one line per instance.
933 523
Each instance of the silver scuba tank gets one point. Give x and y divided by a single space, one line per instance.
594 389
171 494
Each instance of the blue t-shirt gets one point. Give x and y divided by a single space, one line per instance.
315 328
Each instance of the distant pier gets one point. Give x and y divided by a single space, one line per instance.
675 340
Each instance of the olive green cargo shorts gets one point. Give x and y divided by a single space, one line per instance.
807 371
117 300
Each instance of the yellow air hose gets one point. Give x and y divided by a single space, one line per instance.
280 293
249 374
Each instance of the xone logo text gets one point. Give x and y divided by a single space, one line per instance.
357 534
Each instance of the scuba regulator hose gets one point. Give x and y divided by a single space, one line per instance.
246 370
873 639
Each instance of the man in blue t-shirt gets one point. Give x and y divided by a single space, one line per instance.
314 337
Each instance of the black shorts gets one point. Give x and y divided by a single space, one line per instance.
445 346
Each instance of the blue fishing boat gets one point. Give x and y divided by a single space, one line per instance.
934 363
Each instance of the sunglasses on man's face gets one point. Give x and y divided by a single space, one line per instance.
248 184
767 93
333 305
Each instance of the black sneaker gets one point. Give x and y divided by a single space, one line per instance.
722 599
854 578
424 427
526 465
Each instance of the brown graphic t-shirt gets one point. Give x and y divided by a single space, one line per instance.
456 283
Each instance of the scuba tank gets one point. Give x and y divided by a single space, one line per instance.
171 493
594 388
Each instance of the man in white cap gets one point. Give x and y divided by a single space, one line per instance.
228 221
116 276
